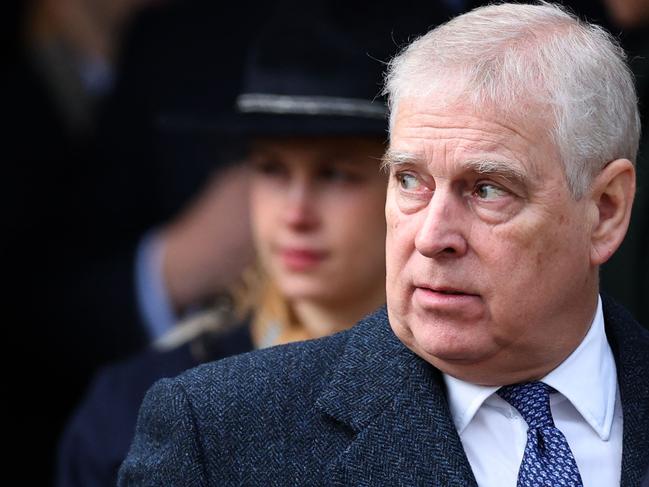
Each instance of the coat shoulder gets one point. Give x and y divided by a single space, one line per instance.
294 368
246 419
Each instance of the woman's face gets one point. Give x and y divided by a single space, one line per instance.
317 212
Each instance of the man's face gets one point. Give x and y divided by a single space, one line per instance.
488 255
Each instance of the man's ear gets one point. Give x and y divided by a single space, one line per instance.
612 194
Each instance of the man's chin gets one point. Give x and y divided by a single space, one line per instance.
447 353
448 343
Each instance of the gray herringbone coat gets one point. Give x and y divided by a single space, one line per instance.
356 409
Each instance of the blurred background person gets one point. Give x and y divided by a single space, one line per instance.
629 14
71 46
315 129
93 182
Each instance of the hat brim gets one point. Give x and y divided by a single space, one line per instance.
247 125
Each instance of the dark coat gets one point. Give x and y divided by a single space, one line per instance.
97 437
357 408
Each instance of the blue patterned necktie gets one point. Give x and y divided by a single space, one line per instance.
547 461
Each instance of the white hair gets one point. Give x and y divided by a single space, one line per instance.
513 56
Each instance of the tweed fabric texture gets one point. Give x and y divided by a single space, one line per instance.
355 409
630 344
547 460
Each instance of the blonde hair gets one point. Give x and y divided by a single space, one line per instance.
273 321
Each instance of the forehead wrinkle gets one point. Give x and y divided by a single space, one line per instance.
473 139
494 131
422 112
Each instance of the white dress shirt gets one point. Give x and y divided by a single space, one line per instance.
586 409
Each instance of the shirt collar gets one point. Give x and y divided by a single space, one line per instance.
465 399
587 378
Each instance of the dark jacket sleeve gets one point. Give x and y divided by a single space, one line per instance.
166 450
97 438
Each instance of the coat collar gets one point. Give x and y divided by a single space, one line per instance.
630 345
395 404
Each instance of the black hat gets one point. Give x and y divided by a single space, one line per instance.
307 73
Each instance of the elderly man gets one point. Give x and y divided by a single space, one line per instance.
513 131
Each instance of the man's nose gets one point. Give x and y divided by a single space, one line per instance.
443 231
300 211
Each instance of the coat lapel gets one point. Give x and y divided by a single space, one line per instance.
630 345
395 405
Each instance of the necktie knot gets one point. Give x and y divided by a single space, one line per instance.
532 401
547 459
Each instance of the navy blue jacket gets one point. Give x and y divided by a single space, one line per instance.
97 437
357 408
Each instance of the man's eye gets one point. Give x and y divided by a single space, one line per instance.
408 181
489 192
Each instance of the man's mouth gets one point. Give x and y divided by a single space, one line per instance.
447 291
445 298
